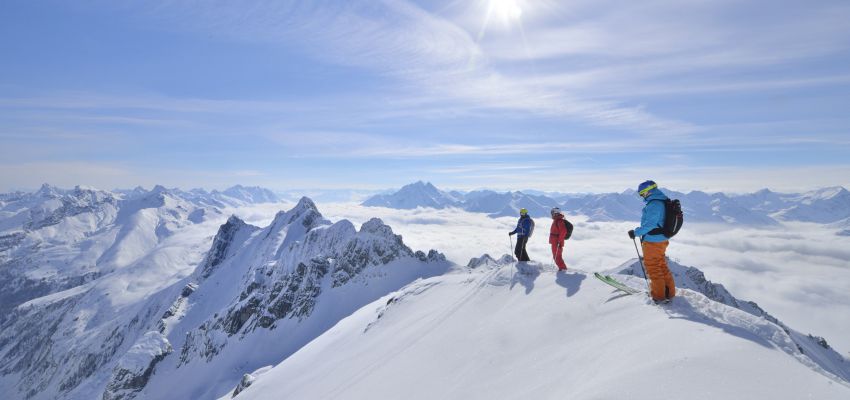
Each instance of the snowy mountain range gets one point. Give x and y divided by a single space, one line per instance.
55 239
231 197
421 194
762 208
159 295
186 305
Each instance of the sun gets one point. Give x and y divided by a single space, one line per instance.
503 17
508 11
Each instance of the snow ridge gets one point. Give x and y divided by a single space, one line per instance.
471 330
811 350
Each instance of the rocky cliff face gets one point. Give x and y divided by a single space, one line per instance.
135 367
296 278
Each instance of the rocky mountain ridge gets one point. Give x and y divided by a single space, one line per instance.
282 284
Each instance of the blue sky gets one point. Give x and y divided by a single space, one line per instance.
505 94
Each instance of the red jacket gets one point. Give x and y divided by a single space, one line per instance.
558 231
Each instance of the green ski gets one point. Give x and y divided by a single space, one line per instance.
617 284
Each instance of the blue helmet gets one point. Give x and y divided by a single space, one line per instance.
645 187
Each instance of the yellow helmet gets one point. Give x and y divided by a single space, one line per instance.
523 211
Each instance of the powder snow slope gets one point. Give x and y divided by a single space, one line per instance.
490 332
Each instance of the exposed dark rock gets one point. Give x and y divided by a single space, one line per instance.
235 319
246 381
221 245
820 341
294 296
189 289
136 368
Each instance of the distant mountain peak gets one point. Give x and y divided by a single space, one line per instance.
305 203
829 192
234 220
48 191
159 189
417 194
377 226
250 194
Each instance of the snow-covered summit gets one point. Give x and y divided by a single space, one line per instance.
418 194
251 194
500 332
48 191
820 206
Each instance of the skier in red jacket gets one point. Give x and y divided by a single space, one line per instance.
557 234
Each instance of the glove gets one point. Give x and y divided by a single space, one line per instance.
511 233
632 234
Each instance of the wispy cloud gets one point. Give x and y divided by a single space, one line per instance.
412 87
401 40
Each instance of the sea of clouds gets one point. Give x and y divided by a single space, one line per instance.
798 272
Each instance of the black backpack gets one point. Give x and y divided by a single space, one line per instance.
673 219
569 227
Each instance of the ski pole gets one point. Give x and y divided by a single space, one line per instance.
511 239
640 260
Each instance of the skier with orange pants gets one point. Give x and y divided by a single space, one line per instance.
557 234
654 243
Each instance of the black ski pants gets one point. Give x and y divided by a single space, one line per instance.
520 253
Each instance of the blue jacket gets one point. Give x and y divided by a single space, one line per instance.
653 217
524 227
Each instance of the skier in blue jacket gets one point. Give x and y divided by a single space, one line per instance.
524 229
654 243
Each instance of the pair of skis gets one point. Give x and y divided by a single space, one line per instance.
617 284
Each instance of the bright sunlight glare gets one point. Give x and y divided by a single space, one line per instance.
506 10
504 14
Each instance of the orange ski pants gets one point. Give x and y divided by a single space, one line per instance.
661 281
